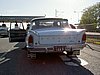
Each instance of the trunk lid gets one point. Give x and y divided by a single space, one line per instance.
59 35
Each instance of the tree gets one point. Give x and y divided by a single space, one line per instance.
91 14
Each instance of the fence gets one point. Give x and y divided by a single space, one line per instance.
89 27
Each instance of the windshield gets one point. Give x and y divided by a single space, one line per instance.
50 23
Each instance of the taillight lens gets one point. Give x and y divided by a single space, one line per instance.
30 40
84 38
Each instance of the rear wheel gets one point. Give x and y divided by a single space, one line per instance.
70 53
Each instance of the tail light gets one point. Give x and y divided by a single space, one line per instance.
84 38
30 40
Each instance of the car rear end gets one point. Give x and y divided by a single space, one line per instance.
69 41
55 39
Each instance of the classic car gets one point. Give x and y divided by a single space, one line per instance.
54 35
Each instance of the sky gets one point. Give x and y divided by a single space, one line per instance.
70 9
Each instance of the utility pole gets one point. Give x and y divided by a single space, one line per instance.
56 12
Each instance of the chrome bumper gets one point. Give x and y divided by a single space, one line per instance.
55 48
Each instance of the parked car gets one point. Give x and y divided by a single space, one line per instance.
54 35
17 33
3 30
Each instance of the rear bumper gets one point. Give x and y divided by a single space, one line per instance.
55 48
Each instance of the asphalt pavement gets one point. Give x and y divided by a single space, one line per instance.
14 61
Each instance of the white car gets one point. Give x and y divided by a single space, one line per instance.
54 35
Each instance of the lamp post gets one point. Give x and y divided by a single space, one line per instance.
78 15
56 12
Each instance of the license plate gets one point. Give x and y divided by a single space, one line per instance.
59 48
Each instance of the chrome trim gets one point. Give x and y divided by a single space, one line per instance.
46 48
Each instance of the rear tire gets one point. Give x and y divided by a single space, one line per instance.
70 53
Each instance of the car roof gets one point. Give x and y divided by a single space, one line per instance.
36 19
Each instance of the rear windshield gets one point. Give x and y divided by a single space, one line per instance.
49 23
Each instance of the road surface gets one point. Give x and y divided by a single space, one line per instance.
13 61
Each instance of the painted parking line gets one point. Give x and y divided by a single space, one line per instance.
4 60
12 48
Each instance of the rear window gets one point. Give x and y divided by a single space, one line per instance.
50 23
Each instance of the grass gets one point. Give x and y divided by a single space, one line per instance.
93 40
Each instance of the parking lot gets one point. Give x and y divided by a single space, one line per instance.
13 61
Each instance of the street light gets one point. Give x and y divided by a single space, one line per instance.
56 12
78 13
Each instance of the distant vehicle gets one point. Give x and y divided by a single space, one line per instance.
3 30
51 35
17 33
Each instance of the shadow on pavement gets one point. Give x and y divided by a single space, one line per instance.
16 62
3 36
20 45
